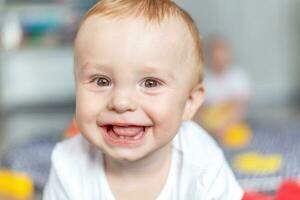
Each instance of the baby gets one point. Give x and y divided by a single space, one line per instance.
228 93
138 65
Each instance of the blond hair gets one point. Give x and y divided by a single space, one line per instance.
153 11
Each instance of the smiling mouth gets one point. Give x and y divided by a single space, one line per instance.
124 134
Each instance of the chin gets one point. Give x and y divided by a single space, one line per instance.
126 155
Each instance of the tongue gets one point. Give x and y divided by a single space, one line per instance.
127 130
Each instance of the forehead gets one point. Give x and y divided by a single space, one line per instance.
171 29
133 40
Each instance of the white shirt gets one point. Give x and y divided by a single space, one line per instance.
198 170
234 84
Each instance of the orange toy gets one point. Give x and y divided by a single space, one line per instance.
72 130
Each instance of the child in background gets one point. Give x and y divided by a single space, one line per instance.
228 92
138 65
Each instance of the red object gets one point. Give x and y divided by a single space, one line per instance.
288 190
72 130
256 196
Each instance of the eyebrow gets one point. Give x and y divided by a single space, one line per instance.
92 65
151 69
148 69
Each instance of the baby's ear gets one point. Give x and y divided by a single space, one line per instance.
194 101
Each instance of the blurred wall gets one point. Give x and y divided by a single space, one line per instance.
39 71
36 76
264 34
265 37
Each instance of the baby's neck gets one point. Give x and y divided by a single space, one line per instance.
136 180
153 162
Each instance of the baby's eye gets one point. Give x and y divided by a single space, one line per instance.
151 83
102 81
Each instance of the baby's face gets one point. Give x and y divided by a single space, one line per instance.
219 57
133 84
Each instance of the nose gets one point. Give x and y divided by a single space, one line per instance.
122 101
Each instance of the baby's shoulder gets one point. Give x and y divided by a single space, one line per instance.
198 150
72 150
75 167
203 165
196 144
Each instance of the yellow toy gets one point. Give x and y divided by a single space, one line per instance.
255 163
236 136
15 185
215 116
231 135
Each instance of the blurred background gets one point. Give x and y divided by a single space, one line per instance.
37 86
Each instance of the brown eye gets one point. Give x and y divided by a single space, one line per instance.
102 82
150 83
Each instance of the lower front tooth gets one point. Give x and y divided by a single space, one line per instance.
137 136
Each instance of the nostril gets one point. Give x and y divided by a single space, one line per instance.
122 101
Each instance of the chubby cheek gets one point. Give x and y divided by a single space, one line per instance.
166 114
87 109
